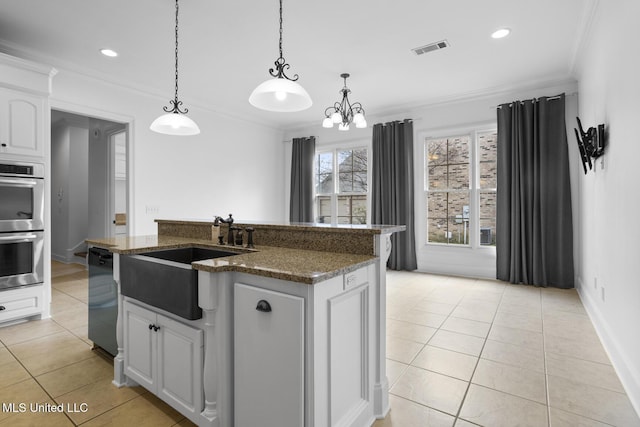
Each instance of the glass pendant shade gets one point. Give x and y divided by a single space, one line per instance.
361 124
336 117
342 126
280 95
327 122
175 124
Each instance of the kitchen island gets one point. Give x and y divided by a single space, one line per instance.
292 331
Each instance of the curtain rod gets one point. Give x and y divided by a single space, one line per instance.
549 98
291 140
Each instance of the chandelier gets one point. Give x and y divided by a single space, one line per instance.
175 122
282 93
343 113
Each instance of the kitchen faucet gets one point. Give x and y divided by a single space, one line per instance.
218 220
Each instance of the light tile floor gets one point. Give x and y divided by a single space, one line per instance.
51 362
468 352
460 352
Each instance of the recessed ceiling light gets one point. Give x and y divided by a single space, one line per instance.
108 52
502 32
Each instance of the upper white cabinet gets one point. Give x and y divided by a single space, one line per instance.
21 123
24 107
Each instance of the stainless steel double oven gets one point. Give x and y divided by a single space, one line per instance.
21 224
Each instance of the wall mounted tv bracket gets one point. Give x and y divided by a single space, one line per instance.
591 144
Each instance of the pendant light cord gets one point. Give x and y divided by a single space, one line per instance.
280 45
176 98
176 104
281 63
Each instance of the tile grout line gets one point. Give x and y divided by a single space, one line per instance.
38 383
544 361
464 397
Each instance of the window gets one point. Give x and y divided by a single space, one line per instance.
487 185
342 185
458 203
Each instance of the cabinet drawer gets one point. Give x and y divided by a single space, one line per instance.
355 278
20 303
269 358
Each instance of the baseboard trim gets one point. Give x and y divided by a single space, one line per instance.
627 372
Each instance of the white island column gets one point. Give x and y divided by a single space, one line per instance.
119 378
214 299
381 385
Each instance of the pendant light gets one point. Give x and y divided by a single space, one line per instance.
175 122
282 93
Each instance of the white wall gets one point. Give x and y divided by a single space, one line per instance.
78 175
608 71
232 166
59 189
98 178
430 121
69 213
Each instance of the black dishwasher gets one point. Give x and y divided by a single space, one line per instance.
103 300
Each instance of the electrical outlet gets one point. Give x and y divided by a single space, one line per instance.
602 289
152 210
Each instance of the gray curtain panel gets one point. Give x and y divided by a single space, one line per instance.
303 152
534 239
392 189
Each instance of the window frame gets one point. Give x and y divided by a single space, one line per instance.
334 149
473 131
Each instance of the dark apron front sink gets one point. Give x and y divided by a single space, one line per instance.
165 279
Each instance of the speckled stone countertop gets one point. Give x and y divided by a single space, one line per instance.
296 265
299 226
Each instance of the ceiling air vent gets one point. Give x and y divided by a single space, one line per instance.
431 47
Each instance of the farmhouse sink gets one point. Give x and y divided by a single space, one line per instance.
165 279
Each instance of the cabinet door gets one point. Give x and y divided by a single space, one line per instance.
180 365
268 358
140 345
21 123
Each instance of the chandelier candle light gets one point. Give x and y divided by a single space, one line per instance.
344 112
175 122
282 93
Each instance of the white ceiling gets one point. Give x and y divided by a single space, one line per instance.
227 47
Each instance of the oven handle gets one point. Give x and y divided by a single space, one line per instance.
27 237
19 182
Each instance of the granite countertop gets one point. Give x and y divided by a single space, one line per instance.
302 266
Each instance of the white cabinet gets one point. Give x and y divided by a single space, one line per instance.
164 356
22 123
268 358
21 302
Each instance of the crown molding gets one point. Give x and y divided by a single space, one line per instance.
583 34
559 83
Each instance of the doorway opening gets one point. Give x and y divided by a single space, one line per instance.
89 183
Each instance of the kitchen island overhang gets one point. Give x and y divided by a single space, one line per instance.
342 299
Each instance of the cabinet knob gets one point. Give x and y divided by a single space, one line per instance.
2 307
3 144
156 328
263 306
150 326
